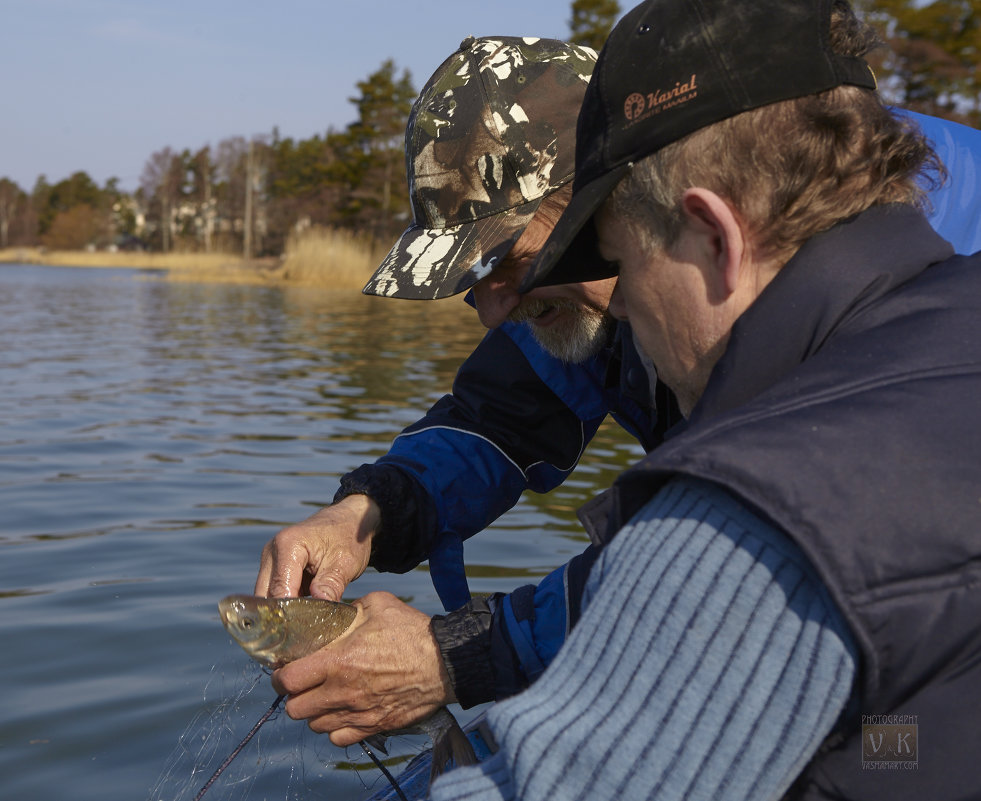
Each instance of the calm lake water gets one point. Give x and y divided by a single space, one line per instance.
154 436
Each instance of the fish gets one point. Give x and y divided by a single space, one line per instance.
275 631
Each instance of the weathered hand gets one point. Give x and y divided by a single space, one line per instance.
384 673
321 555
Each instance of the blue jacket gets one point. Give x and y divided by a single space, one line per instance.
955 206
520 419
517 419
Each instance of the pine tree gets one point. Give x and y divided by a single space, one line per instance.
933 60
592 21
371 160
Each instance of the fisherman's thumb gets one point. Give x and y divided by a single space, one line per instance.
328 584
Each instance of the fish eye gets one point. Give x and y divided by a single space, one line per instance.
247 622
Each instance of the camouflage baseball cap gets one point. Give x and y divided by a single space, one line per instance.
491 134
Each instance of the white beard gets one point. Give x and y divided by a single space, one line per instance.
582 333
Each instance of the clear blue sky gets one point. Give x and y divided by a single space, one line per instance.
99 85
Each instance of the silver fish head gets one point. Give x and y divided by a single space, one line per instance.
256 625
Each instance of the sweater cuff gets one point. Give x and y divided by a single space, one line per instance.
464 641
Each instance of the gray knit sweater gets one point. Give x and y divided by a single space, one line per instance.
710 662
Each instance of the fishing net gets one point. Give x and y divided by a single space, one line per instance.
284 760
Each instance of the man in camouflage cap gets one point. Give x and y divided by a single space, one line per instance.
489 138
489 149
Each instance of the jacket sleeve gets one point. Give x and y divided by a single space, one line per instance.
517 419
954 208
497 646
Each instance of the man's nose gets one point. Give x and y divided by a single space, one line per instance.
495 297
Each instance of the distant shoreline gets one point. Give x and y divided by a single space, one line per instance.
181 266
323 258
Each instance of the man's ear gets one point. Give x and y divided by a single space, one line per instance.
713 218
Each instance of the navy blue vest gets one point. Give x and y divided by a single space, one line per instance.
847 411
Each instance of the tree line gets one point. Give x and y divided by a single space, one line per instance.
248 195
244 195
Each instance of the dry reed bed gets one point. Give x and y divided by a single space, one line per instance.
316 257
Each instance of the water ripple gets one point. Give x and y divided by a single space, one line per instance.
154 436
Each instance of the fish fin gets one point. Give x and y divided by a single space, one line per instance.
453 746
378 742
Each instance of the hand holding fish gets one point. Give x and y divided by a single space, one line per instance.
385 673
321 555
286 632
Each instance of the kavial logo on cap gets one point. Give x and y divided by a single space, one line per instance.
638 106
634 105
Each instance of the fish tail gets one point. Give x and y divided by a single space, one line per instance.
451 745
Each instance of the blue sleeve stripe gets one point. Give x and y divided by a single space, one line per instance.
464 431
522 636
524 473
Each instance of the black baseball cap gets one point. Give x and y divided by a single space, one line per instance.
672 67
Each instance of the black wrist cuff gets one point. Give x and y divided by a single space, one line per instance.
464 641
399 543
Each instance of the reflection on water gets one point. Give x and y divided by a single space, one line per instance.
154 436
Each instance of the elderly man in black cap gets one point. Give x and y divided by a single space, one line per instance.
488 149
786 604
